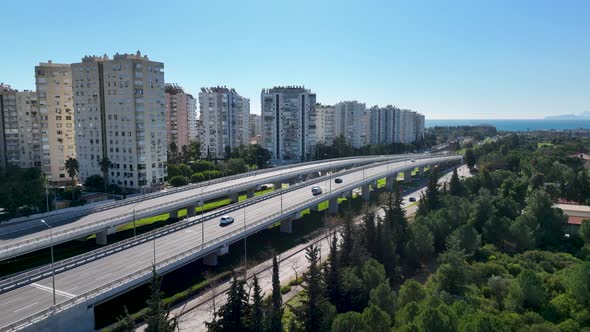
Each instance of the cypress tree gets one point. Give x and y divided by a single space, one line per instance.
333 273
232 313
456 188
157 314
310 313
276 305
256 321
347 240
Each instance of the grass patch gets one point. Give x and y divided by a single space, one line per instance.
544 144
293 303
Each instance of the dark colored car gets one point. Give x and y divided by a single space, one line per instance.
412 199
338 180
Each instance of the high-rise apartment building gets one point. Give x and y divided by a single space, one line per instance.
289 123
58 135
324 123
120 115
351 120
393 125
180 116
225 121
255 125
20 129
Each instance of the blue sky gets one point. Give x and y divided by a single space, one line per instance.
446 59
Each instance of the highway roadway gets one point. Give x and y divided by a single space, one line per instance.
28 300
23 241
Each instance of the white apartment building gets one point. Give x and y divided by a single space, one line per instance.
255 125
351 120
58 136
120 115
289 123
325 126
225 120
393 125
193 126
20 129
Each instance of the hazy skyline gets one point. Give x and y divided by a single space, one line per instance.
445 59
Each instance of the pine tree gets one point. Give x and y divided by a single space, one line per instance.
333 273
456 188
255 322
232 314
126 321
347 240
369 232
310 312
276 305
432 191
157 314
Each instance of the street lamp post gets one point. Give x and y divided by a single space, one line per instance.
52 267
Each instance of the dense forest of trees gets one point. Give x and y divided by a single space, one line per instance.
497 249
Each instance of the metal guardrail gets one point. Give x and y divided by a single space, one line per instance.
21 279
206 248
98 226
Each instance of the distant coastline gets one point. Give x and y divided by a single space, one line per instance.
515 125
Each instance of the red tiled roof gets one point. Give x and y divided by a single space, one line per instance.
572 220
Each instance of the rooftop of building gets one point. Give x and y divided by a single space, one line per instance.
289 89
117 56
50 63
173 88
218 89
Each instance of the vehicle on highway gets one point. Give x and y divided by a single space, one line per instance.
226 220
413 161
412 199
338 180
315 190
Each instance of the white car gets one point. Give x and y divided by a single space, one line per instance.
226 220
315 190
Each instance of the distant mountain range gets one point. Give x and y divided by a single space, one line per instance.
580 116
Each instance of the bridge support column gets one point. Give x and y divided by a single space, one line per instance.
101 238
211 259
234 197
250 193
314 208
408 175
421 171
277 185
366 192
391 181
287 225
333 206
190 211
174 214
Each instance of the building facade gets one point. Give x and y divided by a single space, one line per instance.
325 126
289 123
180 117
225 121
393 125
120 115
58 132
255 125
20 135
351 120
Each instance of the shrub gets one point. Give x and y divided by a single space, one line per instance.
178 181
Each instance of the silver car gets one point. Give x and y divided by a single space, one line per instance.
226 220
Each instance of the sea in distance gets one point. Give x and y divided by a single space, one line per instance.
515 125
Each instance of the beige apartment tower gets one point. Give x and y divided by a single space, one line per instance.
120 115
54 96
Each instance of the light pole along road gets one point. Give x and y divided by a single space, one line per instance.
132 266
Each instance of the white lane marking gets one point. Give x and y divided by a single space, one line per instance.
5 303
104 275
57 291
23 308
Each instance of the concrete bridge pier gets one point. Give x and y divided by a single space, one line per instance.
191 210
234 197
408 175
287 225
101 237
174 214
391 181
250 193
277 185
314 208
421 171
211 259
366 192
333 206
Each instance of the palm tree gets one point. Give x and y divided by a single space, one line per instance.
72 167
105 164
